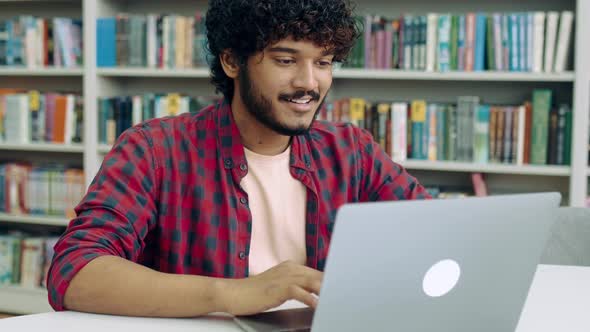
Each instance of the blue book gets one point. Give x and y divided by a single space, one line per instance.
481 134
480 42
444 39
461 44
106 42
529 40
522 41
9 58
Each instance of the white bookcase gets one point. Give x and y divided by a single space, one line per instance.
493 87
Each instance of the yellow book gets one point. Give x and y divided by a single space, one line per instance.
357 112
418 113
173 104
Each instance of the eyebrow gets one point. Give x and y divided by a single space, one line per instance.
293 51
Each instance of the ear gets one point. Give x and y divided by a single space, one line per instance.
229 64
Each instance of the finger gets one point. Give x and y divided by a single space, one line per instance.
312 285
308 272
303 296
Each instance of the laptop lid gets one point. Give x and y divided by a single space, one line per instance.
439 265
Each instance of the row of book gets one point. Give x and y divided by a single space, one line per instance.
25 259
469 131
43 190
521 42
32 116
38 42
155 41
116 114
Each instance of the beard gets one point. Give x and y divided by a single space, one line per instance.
261 108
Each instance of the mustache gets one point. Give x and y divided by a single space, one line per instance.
315 96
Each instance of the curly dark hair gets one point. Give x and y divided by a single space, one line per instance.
246 27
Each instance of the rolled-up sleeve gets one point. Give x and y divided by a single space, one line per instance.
115 215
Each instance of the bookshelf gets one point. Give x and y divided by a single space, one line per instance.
452 166
50 72
494 87
141 72
34 220
379 74
43 147
362 74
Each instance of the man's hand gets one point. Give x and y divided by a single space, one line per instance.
286 281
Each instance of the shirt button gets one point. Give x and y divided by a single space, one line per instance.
242 255
243 200
228 163
243 167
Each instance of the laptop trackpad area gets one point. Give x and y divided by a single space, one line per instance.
292 320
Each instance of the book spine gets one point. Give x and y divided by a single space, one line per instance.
542 100
441 134
563 41
550 35
444 32
418 120
538 41
514 43
479 43
431 42
399 132
470 26
432 135
481 134
461 54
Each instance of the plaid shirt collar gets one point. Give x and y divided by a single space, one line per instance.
229 142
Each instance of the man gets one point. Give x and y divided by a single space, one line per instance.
230 209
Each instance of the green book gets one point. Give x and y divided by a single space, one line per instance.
451 132
441 132
490 44
567 149
540 127
454 42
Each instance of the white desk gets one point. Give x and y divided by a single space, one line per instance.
559 300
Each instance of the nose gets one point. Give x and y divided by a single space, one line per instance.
305 78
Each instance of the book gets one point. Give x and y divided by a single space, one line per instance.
563 41
542 101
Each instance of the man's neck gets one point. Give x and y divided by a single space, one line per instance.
255 136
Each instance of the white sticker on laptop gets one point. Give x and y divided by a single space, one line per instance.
441 278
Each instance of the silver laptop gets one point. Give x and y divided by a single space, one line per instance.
457 265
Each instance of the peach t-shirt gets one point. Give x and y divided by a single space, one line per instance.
277 204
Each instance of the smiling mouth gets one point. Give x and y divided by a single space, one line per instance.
301 101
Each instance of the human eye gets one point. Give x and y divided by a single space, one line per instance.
285 61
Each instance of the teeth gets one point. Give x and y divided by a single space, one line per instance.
300 101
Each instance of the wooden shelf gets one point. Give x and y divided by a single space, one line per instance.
453 166
43 147
34 220
21 300
24 71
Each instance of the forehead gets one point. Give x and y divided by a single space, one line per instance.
299 47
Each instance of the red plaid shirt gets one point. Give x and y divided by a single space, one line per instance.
168 196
